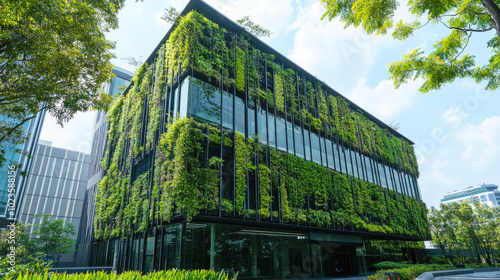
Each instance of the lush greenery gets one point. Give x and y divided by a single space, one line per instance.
406 271
53 56
15 245
174 274
465 232
187 157
30 252
448 60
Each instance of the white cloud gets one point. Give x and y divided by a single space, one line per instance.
454 116
326 49
75 135
481 142
433 184
160 22
439 164
437 178
384 101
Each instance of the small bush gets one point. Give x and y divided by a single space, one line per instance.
407 271
436 259
388 265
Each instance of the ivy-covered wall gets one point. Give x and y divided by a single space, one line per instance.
158 166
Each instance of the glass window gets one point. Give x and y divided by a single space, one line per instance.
251 118
322 144
383 179
239 115
330 152
184 92
176 101
281 133
299 146
150 242
204 102
348 161
291 148
316 155
272 132
336 155
262 123
369 170
342 163
227 110
307 146
397 178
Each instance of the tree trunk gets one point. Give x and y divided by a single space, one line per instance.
494 11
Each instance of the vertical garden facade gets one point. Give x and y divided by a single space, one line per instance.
223 154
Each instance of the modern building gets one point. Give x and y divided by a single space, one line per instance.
55 185
486 194
21 156
120 80
224 154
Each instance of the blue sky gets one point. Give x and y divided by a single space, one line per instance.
456 130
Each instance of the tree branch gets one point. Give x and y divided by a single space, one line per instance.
466 29
5 135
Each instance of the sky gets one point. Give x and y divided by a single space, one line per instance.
456 130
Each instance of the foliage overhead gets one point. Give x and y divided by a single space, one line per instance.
448 59
54 56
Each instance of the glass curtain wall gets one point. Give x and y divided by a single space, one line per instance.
203 101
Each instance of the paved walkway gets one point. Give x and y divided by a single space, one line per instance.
489 275
477 275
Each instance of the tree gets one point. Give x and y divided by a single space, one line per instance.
53 237
464 231
448 60
53 56
14 236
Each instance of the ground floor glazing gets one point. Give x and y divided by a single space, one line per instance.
252 252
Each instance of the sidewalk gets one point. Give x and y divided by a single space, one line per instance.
457 274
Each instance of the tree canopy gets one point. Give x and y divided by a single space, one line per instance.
465 231
448 59
53 237
54 57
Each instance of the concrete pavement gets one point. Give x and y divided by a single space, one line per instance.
476 275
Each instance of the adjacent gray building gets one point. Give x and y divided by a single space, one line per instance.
56 185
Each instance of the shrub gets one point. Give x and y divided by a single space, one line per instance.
388 265
406 271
